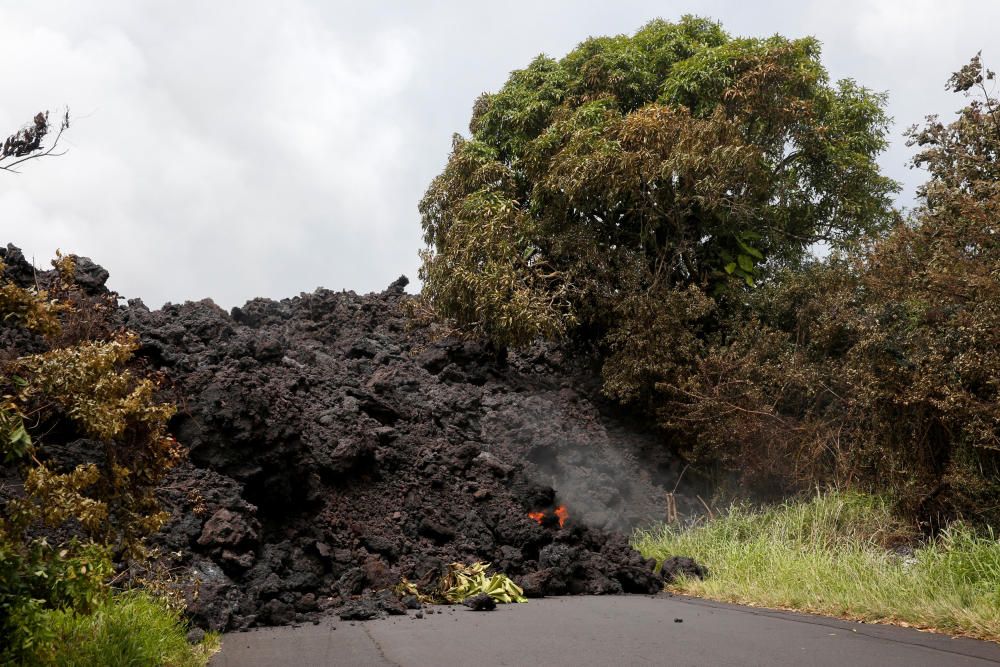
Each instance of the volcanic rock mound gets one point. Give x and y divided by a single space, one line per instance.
338 446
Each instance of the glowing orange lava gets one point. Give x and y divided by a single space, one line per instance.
560 512
563 514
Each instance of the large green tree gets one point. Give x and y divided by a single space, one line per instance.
641 173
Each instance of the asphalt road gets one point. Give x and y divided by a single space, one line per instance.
600 631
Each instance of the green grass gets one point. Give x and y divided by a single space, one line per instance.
128 629
831 555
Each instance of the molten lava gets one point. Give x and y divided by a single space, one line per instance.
563 514
560 513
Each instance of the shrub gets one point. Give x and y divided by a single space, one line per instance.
62 525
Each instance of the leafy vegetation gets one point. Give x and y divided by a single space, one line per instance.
465 581
63 523
875 370
839 554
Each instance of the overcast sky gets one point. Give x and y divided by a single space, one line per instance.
240 149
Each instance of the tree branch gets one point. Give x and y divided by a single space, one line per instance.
24 144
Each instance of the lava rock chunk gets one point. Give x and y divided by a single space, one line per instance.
682 566
481 602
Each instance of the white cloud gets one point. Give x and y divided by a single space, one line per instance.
234 150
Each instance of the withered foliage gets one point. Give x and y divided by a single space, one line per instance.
28 139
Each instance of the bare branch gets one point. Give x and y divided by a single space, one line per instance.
26 143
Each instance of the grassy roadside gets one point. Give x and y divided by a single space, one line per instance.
132 628
833 555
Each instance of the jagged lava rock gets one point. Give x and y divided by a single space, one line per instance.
366 449
338 445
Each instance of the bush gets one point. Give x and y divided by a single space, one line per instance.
71 381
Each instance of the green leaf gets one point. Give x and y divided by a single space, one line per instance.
19 434
753 252
730 267
745 262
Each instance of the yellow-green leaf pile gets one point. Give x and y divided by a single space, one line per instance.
465 581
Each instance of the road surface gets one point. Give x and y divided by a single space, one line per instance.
600 631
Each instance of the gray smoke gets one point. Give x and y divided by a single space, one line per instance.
609 474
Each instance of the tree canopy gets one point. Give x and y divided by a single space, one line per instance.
597 188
